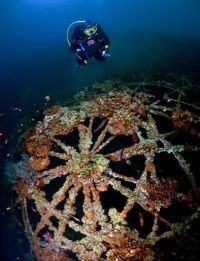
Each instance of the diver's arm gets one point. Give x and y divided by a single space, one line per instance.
103 35
76 35
74 46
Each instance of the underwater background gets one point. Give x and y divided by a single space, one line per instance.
147 36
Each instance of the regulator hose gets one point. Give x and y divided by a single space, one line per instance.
69 27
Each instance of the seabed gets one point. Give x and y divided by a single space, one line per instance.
115 174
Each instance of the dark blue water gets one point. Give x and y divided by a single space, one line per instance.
147 36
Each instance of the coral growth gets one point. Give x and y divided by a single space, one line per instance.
99 191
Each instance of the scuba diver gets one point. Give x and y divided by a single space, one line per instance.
88 40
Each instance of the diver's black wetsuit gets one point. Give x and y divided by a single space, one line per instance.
89 46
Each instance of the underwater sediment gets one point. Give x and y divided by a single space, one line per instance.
113 176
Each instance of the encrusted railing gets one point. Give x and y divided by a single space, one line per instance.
112 174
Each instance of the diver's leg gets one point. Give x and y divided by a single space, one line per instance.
81 61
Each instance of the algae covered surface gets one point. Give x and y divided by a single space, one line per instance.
113 174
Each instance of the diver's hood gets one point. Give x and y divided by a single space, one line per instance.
86 24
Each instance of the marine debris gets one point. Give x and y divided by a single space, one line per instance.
115 174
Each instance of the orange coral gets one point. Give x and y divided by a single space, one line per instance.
130 253
182 119
38 148
150 166
42 254
160 193
51 110
39 163
22 189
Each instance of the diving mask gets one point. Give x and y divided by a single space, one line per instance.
90 30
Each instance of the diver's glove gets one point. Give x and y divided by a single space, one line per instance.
104 52
78 50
